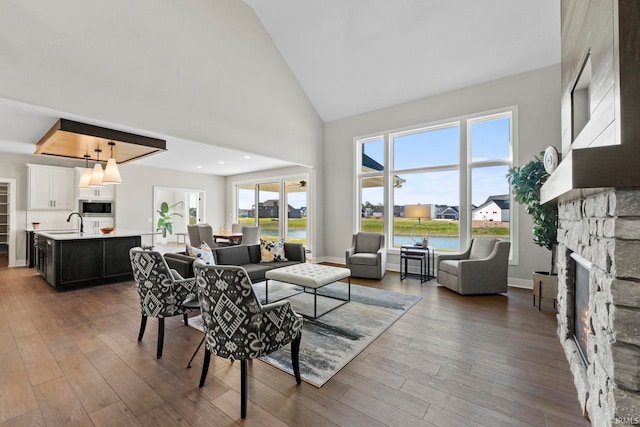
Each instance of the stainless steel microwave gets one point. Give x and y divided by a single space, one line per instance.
97 207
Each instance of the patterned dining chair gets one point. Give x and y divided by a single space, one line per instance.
237 326
161 290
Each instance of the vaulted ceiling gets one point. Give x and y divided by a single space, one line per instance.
361 55
349 57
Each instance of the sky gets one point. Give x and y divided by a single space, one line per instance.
489 141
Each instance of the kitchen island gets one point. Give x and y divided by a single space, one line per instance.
70 260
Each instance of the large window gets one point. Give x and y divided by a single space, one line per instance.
371 184
490 146
269 210
457 169
245 204
296 198
279 206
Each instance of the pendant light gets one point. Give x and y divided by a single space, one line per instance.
111 173
97 174
86 174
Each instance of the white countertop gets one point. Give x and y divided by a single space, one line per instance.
76 235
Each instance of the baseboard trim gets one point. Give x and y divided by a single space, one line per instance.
513 282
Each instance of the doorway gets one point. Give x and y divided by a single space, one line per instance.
187 204
7 221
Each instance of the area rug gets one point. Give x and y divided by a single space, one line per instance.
333 340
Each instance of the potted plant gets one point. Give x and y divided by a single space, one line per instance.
165 220
526 182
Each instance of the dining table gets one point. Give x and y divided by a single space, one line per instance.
232 238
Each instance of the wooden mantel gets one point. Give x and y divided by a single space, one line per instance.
605 153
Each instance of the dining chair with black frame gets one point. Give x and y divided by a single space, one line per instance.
237 326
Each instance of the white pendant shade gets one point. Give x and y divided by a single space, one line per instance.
96 176
111 173
84 180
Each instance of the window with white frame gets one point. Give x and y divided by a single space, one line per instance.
456 168
282 208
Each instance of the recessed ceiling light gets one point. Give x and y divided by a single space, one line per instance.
247 157
199 167
221 162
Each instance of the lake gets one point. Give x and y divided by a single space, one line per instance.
438 242
446 243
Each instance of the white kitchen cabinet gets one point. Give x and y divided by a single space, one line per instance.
51 188
94 224
106 192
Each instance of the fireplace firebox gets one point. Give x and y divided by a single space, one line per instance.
581 326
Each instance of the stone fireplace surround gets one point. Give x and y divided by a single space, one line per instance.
604 228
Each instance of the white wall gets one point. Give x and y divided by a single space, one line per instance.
134 198
537 95
201 70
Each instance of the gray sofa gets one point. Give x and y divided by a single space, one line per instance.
481 269
244 256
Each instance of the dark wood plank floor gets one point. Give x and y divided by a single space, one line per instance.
72 359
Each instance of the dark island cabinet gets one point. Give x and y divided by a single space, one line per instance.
85 262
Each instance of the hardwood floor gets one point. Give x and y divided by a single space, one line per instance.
73 358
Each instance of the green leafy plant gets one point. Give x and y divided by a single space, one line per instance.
526 182
165 221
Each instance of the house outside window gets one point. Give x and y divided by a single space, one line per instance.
280 207
458 167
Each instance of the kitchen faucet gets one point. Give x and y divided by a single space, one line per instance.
81 221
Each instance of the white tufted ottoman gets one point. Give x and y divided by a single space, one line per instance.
310 276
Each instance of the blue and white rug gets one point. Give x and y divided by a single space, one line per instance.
334 339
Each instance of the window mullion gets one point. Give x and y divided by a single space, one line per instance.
465 181
388 189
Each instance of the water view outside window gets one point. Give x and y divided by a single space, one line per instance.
426 173
269 214
269 211
296 196
438 189
446 166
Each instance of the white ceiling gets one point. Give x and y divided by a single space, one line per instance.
22 126
361 55
355 56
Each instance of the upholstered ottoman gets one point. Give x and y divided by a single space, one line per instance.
310 276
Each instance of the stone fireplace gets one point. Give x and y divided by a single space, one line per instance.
603 228
597 189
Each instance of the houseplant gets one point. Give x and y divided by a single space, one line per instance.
165 220
526 182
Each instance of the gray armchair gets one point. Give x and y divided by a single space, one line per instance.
481 269
367 256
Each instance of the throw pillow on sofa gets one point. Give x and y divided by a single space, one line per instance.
203 252
272 251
